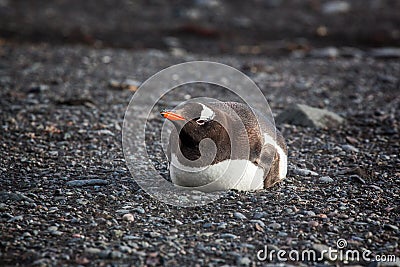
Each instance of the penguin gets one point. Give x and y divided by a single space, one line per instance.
218 146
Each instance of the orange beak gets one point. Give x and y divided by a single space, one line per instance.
172 116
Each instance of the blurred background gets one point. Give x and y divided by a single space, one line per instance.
270 27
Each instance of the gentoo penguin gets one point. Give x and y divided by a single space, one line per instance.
246 153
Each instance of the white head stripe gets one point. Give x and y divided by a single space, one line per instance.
206 113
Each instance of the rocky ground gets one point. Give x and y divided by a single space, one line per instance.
61 121
67 197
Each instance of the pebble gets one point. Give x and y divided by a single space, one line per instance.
91 250
87 182
15 196
239 216
259 215
243 261
275 226
222 225
52 228
207 225
309 213
328 52
326 179
125 249
357 178
313 223
228 236
122 211
153 234
56 233
116 255
16 218
140 210
282 234
130 84
128 217
376 188
390 227
304 172
259 222
386 52
335 7
350 148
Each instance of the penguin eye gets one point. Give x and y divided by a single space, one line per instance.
200 121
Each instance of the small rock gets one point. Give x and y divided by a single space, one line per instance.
275 226
105 132
326 179
207 225
328 52
104 254
309 213
282 234
106 59
351 140
222 225
350 148
304 172
116 255
207 234
259 215
357 178
259 222
92 250
228 236
335 7
243 261
153 234
125 249
140 210
87 182
131 85
313 223
307 116
128 217
80 201
56 233
322 216
239 216
16 218
122 211
118 233
376 188
386 52
390 227
52 228
14 196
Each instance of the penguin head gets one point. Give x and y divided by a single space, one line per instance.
196 121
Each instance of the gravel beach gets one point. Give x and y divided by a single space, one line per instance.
68 199
61 121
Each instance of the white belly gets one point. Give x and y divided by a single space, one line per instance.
229 174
